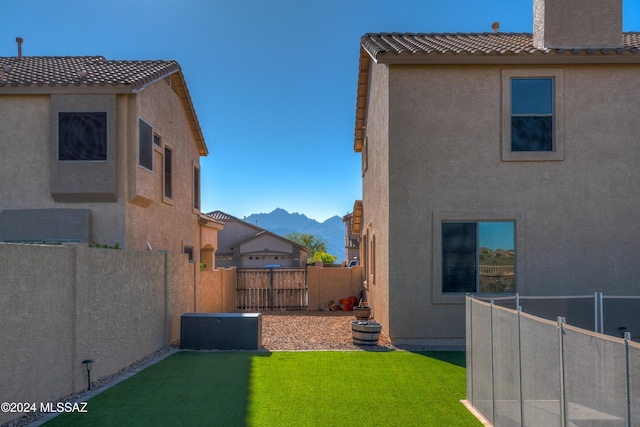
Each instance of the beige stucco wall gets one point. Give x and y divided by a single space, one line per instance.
36 361
90 181
120 307
234 232
25 157
139 214
580 227
573 24
209 244
331 283
217 291
577 225
26 163
182 281
174 222
259 244
375 196
62 305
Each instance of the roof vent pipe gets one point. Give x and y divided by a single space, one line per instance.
19 40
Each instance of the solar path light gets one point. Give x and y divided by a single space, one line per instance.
88 362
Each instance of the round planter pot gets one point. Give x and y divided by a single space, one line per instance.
362 313
365 333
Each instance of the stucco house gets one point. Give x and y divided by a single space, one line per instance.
245 245
496 163
351 239
104 151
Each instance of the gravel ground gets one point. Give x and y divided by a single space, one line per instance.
320 330
313 330
281 331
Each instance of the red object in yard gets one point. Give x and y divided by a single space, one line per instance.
346 304
353 300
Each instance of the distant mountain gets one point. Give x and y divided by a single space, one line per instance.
282 223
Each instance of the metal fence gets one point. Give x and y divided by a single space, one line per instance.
607 314
272 289
524 370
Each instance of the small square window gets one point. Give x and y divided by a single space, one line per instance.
82 136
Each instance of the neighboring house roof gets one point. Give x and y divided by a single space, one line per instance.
260 232
266 234
222 216
210 222
471 48
46 74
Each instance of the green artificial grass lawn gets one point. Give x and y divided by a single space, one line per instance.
324 388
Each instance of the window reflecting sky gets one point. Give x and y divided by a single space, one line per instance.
496 235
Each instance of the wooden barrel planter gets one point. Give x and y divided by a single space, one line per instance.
362 313
365 333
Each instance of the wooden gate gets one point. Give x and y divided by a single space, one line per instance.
272 289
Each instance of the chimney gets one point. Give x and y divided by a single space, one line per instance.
19 40
577 24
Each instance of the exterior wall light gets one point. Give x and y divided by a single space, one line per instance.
88 362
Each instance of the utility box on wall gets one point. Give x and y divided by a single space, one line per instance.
221 331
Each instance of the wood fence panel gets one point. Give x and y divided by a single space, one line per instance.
272 289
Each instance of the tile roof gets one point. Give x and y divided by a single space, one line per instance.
222 216
473 44
468 48
82 71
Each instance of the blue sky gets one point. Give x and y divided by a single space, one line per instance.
496 235
273 82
